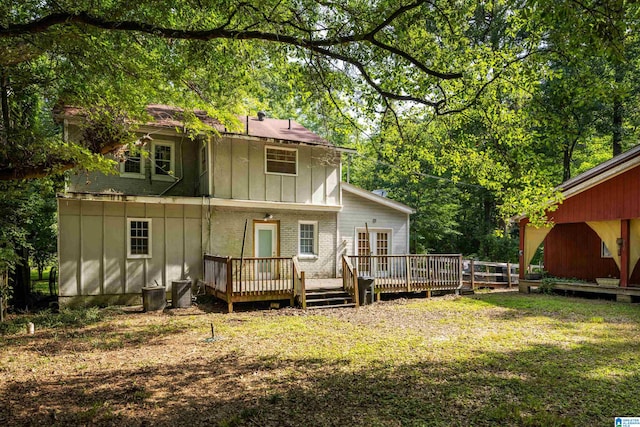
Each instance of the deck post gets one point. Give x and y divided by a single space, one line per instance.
303 295
624 253
408 267
509 274
229 286
473 275
356 298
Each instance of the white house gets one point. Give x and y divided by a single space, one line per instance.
155 218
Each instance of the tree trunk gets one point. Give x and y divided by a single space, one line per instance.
21 279
617 126
4 104
616 143
566 166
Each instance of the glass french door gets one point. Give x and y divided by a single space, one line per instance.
377 243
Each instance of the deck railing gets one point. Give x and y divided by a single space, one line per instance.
215 272
398 273
350 279
252 279
491 274
257 275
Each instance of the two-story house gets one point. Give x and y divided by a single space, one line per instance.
272 190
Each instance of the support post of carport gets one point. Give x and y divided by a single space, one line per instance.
521 271
625 234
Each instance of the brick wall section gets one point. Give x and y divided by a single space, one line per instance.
225 229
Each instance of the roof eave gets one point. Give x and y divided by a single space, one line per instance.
377 199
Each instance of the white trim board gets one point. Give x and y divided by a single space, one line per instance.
377 199
231 203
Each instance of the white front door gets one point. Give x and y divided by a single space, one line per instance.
265 246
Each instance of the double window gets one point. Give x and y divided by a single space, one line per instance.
308 238
138 238
282 161
162 159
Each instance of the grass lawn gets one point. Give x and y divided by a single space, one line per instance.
40 286
492 359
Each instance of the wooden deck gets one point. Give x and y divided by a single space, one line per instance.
406 273
623 294
269 279
253 279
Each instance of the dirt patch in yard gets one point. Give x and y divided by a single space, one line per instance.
496 359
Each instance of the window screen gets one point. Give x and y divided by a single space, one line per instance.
281 161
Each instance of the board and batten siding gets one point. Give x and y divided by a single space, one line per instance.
239 173
186 180
92 247
358 211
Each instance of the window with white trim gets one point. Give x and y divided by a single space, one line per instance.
138 238
133 166
308 238
203 157
163 157
283 161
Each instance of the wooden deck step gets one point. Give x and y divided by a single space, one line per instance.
345 298
328 298
315 294
467 291
319 307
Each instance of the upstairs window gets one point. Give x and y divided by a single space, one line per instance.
163 160
139 238
282 161
133 166
203 157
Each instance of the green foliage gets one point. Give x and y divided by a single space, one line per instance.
474 111
547 285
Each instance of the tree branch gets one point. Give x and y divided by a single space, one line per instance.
222 32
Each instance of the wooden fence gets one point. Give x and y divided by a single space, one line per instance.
478 274
253 279
409 273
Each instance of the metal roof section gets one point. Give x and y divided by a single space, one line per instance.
377 199
287 130
604 171
166 116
